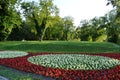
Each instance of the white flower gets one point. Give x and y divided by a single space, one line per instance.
74 61
12 54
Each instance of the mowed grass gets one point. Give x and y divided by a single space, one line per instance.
60 46
52 46
16 75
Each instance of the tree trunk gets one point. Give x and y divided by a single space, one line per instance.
37 27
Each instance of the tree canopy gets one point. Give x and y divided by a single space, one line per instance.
41 21
9 17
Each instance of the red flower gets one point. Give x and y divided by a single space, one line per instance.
21 63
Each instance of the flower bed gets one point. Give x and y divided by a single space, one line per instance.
74 61
21 63
12 54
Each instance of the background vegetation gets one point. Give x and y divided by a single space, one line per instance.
21 20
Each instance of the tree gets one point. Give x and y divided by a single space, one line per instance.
115 22
83 31
113 30
55 31
91 30
25 32
40 15
9 17
68 26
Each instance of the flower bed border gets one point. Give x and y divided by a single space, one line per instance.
22 64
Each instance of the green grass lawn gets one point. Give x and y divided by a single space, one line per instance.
60 46
15 75
53 46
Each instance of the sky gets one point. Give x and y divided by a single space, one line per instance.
81 9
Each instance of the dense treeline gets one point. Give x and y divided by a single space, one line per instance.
41 21
103 28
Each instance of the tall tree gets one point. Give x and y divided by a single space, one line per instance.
47 9
83 31
68 26
55 30
91 30
40 14
115 28
9 17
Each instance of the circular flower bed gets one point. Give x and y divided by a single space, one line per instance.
21 63
12 54
74 61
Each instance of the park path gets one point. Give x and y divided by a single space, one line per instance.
36 76
3 78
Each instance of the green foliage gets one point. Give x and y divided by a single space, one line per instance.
16 75
42 21
48 25
55 30
68 26
40 15
95 28
26 32
113 35
115 22
91 30
9 17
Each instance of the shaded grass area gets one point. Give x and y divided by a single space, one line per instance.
12 74
60 46
52 46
